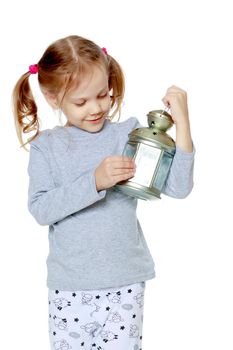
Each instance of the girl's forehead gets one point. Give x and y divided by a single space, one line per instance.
91 82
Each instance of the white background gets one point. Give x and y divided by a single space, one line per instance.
186 43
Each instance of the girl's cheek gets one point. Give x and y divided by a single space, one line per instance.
108 103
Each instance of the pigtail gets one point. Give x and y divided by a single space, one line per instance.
25 110
116 84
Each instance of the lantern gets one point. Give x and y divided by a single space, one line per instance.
153 151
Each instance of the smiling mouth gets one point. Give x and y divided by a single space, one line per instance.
96 119
92 120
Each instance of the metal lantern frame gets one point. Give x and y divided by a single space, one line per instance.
153 151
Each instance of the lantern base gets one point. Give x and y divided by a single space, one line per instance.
138 191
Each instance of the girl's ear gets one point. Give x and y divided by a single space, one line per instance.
51 99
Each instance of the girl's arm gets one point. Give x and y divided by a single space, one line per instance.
49 203
179 183
180 179
176 100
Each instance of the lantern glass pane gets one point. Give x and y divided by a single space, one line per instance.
130 150
163 170
146 159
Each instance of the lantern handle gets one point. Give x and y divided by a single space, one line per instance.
165 110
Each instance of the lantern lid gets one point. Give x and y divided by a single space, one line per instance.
154 137
160 119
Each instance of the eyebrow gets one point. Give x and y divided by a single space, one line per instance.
85 98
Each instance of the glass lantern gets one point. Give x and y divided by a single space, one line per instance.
153 151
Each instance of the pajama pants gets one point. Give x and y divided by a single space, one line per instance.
104 319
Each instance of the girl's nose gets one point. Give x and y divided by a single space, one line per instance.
95 108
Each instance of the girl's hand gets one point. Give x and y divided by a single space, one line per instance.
112 170
176 100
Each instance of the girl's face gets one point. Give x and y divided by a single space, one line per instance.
88 105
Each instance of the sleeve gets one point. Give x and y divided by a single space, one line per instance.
179 182
49 203
124 129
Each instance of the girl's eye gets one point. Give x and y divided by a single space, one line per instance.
83 103
102 96
80 104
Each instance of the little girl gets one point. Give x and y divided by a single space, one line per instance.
98 259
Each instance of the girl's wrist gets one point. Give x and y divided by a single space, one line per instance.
183 137
183 129
182 122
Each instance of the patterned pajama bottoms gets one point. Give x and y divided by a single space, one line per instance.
104 319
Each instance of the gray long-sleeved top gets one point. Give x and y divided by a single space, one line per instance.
95 238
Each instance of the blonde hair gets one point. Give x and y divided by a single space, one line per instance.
62 65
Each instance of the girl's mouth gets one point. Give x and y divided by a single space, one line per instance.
95 121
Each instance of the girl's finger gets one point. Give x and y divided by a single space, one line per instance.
175 89
122 172
119 178
165 101
125 165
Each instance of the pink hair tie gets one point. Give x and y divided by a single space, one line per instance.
104 50
33 69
